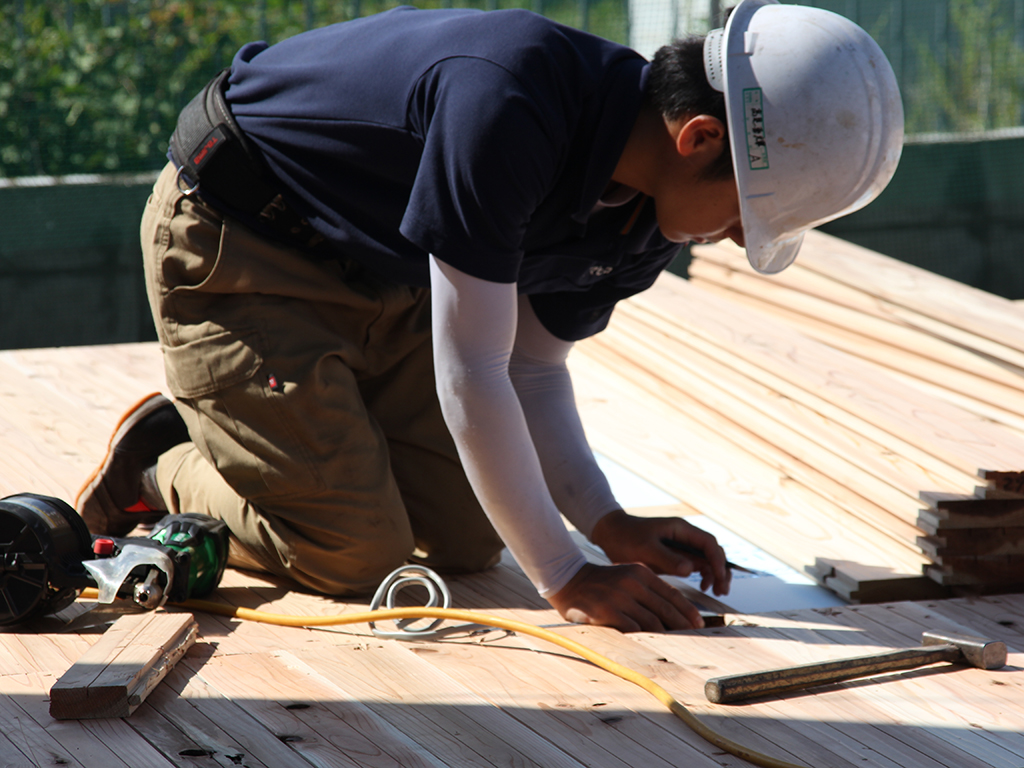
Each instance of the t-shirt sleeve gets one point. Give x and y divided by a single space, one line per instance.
491 150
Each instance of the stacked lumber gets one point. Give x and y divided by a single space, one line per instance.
813 411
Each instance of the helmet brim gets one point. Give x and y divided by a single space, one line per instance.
775 255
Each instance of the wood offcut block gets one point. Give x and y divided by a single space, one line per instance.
116 675
974 541
948 512
1008 484
861 583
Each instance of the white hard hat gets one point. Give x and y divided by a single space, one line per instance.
815 120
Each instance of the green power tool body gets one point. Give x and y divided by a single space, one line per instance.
48 556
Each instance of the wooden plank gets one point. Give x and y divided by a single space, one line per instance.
321 722
974 541
12 757
986 616
445 718
768 736
32 740
93 743
835 716
774 394
793 452
859 583
815 301
825 269
747 392
175 724
545 698
688 461
1008 484
953 508
960 512
675 676
987 569
855 385
919 710
955 436
115 675
981 701
1001 401
250 742
991 317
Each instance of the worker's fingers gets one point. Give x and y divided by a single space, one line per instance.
707 580
665 544
626 597
674 610
714 556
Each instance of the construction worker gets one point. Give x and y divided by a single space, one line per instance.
377 242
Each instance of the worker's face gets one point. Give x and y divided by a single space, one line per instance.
692 205
702 211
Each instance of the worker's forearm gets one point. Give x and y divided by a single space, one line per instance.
487 423
576 482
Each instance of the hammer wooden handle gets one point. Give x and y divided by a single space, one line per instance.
722 690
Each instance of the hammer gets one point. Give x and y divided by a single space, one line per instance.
936 646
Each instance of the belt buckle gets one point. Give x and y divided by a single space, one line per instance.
177 183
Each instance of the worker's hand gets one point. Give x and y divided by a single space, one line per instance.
630 598
626 538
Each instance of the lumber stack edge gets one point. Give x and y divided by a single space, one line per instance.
874 408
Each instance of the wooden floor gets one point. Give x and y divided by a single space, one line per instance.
250 694
259 695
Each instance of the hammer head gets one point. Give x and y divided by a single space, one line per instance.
976 651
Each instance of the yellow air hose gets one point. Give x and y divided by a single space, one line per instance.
453 614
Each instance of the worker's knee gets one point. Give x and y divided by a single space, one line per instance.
338 565
331 560
467 557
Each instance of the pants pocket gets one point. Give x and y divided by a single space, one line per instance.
211 363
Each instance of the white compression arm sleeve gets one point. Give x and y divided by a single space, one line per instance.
542 382
474 327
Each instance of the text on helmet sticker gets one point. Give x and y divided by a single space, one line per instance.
753 117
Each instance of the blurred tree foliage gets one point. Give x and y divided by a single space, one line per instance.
91 86
975 82
95 86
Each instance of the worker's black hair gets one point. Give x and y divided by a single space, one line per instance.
677 86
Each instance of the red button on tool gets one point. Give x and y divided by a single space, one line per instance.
103 547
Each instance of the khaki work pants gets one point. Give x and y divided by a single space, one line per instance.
308 390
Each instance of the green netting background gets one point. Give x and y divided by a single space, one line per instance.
89 91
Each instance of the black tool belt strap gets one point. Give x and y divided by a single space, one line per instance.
215 157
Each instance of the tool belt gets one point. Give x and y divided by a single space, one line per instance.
216 159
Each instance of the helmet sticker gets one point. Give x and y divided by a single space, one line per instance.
753 116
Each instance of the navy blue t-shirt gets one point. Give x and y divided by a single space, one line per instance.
484 138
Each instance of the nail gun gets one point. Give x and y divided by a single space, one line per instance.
48 556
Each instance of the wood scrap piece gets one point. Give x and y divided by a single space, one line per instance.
1002 484
1008 540
950 510
116 675
860 583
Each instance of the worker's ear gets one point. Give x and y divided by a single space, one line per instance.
701 137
